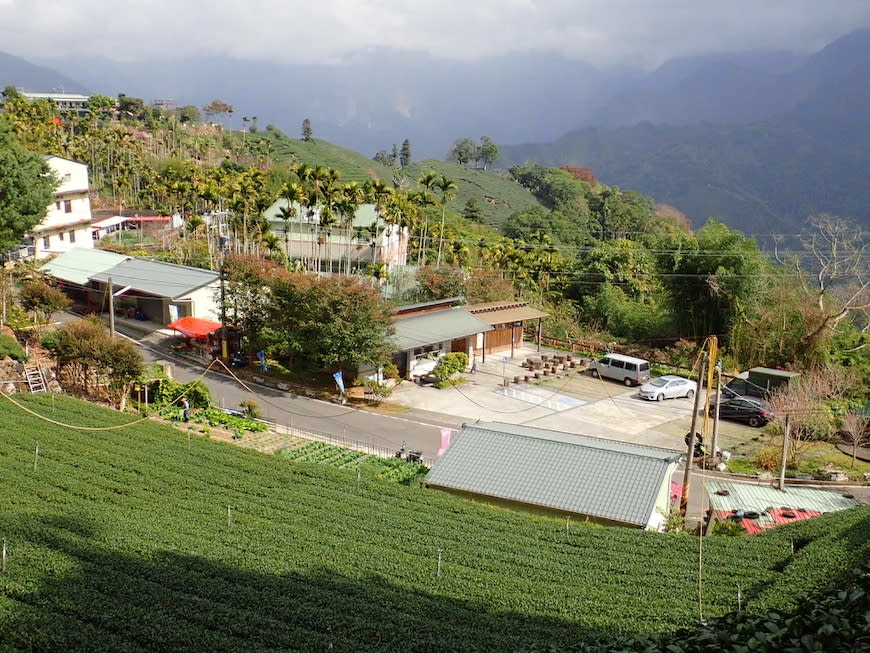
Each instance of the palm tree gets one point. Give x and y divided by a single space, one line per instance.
293 193
428 181
349 198
273 246
446 186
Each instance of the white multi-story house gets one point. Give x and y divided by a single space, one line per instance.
66 102
67 222
342 247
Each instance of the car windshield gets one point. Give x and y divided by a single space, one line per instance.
659 382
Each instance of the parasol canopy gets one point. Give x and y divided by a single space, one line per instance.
195 327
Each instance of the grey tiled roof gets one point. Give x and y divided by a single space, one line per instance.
79 264
611 480
437 326
157 278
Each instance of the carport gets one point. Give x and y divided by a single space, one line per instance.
507 321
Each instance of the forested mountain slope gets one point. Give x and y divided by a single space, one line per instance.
762 177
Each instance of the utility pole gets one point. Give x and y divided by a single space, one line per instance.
714 439
224 353
111 308
684 499
785 436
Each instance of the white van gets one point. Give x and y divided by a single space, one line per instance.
628 370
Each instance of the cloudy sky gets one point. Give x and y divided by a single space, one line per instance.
637 32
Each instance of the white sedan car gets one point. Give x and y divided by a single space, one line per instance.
668 387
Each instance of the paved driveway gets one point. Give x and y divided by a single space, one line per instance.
573 402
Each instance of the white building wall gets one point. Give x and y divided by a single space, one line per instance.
202 302
67 223
662 508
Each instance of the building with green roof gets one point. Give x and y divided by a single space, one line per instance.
346 246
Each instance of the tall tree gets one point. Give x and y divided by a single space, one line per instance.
428 181
472 211
446 186
487 152
405 153
712 278
26 187
307 133
838 278
463 151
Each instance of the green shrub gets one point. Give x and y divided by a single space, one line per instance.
251 408
728 527
51 340
380 390
768 458
10 347
165 391
390 370
450 364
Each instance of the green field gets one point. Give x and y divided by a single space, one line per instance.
496 193
137 539
353 166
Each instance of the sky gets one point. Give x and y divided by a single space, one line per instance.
632 32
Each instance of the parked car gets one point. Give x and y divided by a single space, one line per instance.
625 369
755 412
668 386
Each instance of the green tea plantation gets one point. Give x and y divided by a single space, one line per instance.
144 538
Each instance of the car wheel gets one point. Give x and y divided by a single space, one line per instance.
660 397
595 373
753 421
628 382
690 395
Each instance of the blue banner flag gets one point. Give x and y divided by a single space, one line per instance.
261 356
339 381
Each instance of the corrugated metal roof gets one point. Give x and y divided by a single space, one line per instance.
412 308
109 222
79 264
611 480
438 326
157 278
758 498
505 315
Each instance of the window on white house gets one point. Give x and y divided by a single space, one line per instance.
60 236
72 236
45 242
57 205
67 206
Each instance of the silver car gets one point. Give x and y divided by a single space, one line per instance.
668 386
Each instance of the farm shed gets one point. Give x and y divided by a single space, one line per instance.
605 481
760 507
428 330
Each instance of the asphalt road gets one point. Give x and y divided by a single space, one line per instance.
343 423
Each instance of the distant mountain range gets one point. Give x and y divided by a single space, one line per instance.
31 77
760 139
812 155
